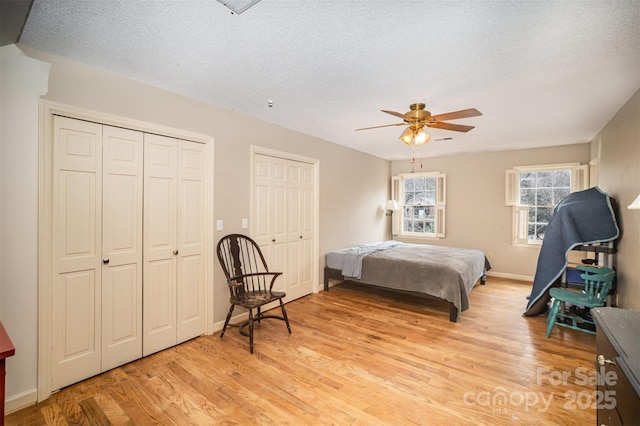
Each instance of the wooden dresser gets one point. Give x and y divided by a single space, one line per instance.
618 365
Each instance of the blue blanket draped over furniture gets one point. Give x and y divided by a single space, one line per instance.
584 217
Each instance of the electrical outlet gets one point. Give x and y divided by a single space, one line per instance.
219 226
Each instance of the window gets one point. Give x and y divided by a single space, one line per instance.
535 191
421 197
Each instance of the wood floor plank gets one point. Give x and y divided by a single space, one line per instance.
51 415
357 356
93 412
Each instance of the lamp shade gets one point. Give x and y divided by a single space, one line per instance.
421 137
392 205
636 204
407 135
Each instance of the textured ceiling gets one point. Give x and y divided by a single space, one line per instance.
542 73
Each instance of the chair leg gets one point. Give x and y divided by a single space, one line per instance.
251 330
284 315
551 318
226 322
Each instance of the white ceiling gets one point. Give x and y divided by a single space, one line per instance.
542 72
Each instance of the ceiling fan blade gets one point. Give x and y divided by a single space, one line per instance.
465 113
450 126
385 125
397 114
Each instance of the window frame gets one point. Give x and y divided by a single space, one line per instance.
397 194
520 214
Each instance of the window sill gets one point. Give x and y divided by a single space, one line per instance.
526 245
417 237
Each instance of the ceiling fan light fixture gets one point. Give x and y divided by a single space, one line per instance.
407 135
421 137
418 118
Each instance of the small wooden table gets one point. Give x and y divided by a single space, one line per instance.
6 350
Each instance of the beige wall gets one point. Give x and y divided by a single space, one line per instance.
353 185
476 215
24 80
618 145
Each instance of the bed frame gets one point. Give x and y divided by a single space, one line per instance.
336 274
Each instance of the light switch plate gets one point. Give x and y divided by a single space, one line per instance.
245 223
219 225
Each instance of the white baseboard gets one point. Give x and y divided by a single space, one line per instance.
217 326
510 276
20 401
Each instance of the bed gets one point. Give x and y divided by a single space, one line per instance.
440 272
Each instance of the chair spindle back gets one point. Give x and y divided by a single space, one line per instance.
243 263
597 286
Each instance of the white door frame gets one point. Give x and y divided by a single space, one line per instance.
45 210
316 199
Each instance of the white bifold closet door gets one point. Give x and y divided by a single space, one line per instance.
283 220
300 229
270 212
128 246
97 249
174 241
121 246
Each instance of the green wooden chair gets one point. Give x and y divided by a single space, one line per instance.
597 283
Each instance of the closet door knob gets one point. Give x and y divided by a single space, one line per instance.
175 252
273 241
105 261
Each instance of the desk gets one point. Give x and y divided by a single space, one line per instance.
618 365
6 350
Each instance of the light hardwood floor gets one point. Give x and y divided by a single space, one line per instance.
356 357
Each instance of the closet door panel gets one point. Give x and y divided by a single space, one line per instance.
261 202
279 199
78 209
159 324
270 212
307 186
190 309
305 272
77 346
76 194
191 240
277 249
294 237
122 246
160 248
122 315
307 220
76 250
300 232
